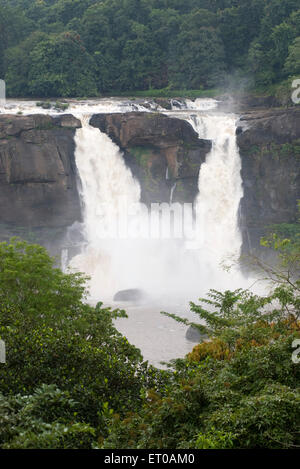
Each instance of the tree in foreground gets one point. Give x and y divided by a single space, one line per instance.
241 387
72 381
60 351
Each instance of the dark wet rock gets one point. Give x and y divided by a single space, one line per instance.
239 102
133 294
194 335
38 189
67 120
159 150
165 103
270 152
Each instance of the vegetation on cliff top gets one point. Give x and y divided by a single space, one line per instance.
84 47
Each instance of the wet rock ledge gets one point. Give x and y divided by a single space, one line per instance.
269 142
162 153
38 188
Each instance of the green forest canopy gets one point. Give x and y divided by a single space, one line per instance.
87 47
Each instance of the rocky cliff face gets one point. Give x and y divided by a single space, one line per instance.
38 190
163 153
269 142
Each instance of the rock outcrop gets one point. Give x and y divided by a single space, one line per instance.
37 174
163 153
134 295
194 335
269 142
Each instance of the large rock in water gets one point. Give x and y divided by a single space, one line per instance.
132 294
269 142
194 335
37 174
160 151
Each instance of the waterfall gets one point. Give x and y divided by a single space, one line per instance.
218 238
165 268
173 271
111 197
106 184
105 179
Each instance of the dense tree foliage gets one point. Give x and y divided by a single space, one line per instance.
54 338
239 388
84 47
72 381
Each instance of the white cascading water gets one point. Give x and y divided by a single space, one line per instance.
109 193
105 182
177 269
219 239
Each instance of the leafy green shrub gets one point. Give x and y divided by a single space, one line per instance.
53 337
249 401
44 104
61 106
268 419
240 388
43 420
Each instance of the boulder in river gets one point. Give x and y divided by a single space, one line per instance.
194 335
132 294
